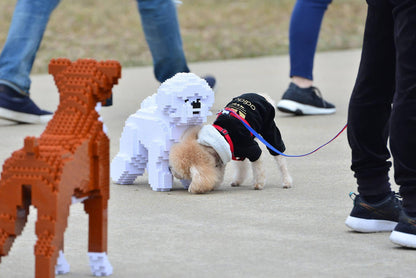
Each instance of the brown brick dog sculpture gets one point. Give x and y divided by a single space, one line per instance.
69 161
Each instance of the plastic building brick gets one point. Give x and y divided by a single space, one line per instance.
100 266
182 101
62 266
69 161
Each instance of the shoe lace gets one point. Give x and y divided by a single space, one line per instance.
319 95
397 197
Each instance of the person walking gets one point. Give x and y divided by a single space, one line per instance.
302 98
30 18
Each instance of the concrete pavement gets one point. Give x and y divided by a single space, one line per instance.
231 232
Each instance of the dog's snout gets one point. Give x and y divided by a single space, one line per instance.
196 105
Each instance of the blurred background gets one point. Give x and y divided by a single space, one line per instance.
211 29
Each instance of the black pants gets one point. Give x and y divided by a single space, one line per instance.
383 103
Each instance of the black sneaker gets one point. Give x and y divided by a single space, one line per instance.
211 81
17 107
404 233
304 101
382 216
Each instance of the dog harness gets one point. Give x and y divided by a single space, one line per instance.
252 110
225 133
227 137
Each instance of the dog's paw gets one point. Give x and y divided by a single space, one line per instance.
235 184
287 183
258 186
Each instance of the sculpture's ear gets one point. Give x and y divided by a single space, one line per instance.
58 65
111 69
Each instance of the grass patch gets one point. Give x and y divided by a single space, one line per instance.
211 29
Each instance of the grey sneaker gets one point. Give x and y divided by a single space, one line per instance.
304 101
382 216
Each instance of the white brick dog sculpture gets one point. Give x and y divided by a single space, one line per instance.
182 101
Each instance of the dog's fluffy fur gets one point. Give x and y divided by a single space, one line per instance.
197 163
203 167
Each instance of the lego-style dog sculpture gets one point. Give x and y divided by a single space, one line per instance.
180 102
69 161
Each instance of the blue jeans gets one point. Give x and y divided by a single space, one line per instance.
160 25
305 25
161 29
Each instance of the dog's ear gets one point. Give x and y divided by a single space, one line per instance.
204 179
215 155
207 171
182 156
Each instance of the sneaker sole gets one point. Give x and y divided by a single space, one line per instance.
403 239
23 117
289 106
369 225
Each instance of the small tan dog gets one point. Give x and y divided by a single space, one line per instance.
200 157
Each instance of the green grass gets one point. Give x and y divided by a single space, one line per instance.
211 29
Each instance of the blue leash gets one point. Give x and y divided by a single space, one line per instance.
273 148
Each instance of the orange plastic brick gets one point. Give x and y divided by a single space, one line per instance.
69 161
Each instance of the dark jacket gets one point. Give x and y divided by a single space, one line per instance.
259 113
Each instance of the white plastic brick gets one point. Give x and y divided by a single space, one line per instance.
182 101
62 266
99 263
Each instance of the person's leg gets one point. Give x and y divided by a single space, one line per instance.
305 25
25 35
370 103
301 98
161 29
16 60
403 119
376 208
